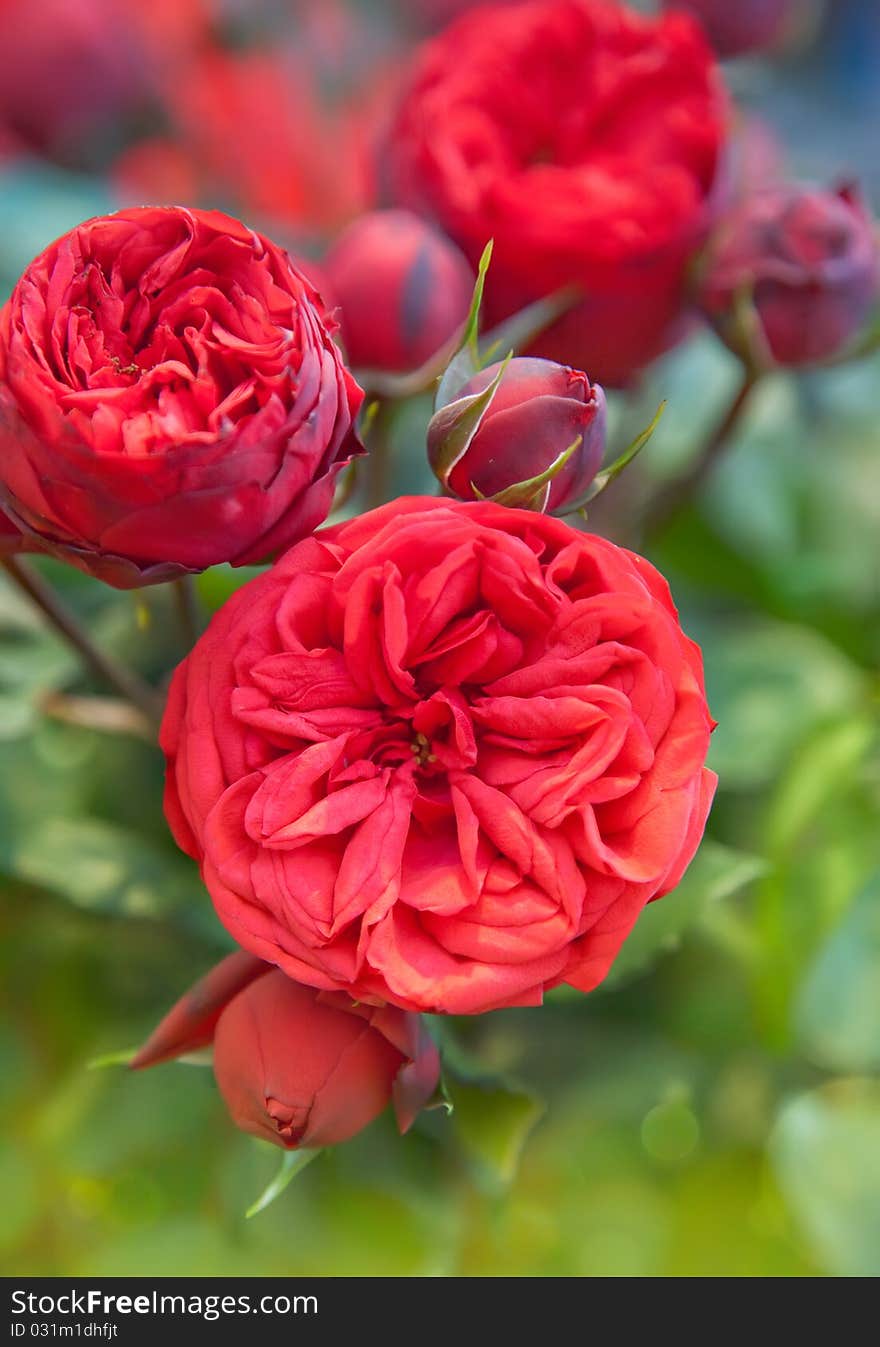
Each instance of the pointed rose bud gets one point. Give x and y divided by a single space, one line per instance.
402 287
306 1068
737 26
298 1066
791 275
526 432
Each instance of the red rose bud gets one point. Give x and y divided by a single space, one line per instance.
297 1066
306 1068
792 275
403 288
170 397
737 26
539 443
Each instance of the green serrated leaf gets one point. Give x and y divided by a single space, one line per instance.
460 420
493 1122
607 475
466 360
292 1163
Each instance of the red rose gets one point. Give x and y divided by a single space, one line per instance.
584 139
296 1066
806 261
403 290
441 755
170 397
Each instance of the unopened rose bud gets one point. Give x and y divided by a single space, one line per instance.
792 275
544 421
737 26
402 287
297 1066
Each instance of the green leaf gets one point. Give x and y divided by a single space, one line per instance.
837 1013
460 420
824 1151
492 1122
103 867
769 684
716 873
292 1163
466 360
607 475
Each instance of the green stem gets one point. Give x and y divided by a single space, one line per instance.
187 608
379 464
125 681
670 500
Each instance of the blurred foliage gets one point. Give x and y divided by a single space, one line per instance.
712 1110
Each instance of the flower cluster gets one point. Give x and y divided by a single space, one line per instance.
438 755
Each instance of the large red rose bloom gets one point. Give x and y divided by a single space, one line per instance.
170 397
441 755
585 140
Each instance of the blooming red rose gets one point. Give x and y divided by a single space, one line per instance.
403 290
297 1066
585 140
538 411
441 755
170 397
806 264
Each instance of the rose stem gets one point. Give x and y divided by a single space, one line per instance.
380 459
666 504
124 680
187 608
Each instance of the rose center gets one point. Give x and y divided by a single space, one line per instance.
421 747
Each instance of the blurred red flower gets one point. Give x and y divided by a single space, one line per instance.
585 139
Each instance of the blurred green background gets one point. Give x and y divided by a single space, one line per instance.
713 1110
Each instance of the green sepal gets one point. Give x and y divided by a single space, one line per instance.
525 495
607 475
292 1163
464 416
465 361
